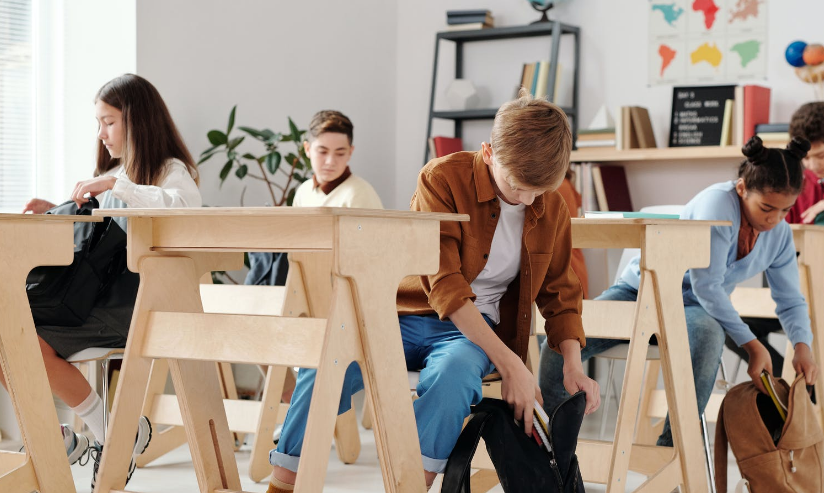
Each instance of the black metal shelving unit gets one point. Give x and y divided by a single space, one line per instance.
555 29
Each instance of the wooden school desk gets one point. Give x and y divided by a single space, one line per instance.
370 252
28 241
668 249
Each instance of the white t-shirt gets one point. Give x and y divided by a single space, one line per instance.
177 189
503 263
353 192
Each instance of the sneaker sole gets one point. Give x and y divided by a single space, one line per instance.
144 437
79 449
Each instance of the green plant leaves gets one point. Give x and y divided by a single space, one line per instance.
225 171
273 162
208 153
216 137
231 120
251 156
241 171
235 142
296 134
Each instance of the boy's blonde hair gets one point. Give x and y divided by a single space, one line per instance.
532 139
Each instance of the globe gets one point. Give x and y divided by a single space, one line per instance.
543 6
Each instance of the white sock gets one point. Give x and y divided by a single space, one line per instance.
91 412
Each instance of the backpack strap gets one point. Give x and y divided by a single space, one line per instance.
458 467
720 452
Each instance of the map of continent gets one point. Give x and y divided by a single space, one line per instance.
747 50
707 53
744 9
708 8
667 55
670 11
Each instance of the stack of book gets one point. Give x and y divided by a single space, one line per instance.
467 20
535 78
595 137
443 146
773 134
633 130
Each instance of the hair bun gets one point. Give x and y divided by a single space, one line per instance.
755 151
798 147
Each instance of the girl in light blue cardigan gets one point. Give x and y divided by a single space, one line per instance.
758 241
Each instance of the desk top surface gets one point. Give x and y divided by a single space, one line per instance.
645 222
50 217
806 227
279 212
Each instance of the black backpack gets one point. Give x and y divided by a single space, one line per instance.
64 295
521 464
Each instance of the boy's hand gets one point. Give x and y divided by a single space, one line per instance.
574 377
804 364
520 390
759 360
37 206
93 187
809 215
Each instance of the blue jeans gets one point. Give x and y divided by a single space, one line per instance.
706 339
452 368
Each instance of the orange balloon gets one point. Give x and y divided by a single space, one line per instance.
814 54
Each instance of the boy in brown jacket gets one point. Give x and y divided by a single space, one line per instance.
474 316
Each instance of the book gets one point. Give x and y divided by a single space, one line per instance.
616 188
738 117
772 127
642 127
629 137
469 19
627 215
468 27
756 110
541 80
595 143
726 125
773 137
534 83
600 193
443 146
470 12
596 135
541 424
769 384
529 72
604 130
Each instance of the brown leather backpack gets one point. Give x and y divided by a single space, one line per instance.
774 456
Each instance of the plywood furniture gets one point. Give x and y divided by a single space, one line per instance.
28 241
370 252
244 416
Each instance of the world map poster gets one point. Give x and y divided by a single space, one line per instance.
707 41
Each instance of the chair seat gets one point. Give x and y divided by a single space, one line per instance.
96 354
622 350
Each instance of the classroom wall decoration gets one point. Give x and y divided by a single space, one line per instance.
707 41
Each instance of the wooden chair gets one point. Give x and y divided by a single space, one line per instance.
245 416
370 252
28 241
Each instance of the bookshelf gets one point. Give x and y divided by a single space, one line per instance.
670 154
553 29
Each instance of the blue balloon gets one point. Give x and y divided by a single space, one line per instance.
795 53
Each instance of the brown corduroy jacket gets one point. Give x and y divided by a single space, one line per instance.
462 183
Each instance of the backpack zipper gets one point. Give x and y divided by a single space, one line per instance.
552 462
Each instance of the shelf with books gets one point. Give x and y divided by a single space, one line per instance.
482 114
612 155
554 30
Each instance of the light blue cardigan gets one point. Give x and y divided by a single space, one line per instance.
774 253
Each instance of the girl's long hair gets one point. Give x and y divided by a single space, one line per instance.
150 137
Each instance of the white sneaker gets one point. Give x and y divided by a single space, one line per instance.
76 444
141 442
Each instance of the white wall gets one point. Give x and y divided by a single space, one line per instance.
274 59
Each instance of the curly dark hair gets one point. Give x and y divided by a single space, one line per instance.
773 170
808 122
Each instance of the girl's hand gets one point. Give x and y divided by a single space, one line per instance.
809 215
759 360
804 364
37 206
93 187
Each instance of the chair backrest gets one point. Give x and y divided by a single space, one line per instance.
630 253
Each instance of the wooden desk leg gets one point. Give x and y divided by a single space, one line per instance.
167 284
375 254
347 437
259 467
812 267
163 441
24 246
670 251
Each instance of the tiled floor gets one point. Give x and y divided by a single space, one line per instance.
173 472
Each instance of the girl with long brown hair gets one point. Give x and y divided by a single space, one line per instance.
141 162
